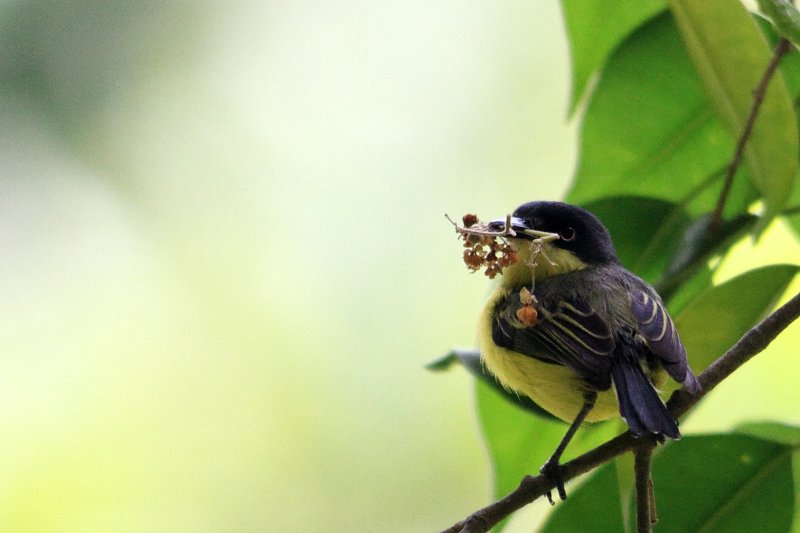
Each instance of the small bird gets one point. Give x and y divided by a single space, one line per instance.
599 341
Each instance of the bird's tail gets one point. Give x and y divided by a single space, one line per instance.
639 404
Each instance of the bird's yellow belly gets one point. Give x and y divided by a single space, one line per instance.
553 387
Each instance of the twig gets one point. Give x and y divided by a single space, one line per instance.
478 229
653 512
645 502
750 344
533 487
759 92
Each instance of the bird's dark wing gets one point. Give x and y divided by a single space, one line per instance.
655 325
568 332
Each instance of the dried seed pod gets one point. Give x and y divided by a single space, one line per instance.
509 258
472 260
485 247
492 269
525 296
528 315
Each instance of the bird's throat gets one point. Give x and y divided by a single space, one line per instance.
551 261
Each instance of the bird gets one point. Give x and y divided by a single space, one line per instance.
599 341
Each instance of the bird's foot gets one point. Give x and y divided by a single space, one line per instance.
552 471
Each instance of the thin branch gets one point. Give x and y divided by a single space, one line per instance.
759 92
533 487
645 503
653 512
750 344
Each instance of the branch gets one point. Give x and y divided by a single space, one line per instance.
759 92
750 344
533 487
645 503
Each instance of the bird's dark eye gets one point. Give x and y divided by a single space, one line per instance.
567 233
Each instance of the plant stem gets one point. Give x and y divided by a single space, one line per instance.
759 92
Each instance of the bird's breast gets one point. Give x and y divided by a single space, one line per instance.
554 387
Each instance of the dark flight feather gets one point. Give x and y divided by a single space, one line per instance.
655 325
639 404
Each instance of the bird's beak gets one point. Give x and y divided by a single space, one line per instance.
517 224
519 228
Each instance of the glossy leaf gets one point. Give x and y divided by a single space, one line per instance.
717 317
519 443
786 435
594 506
689 290
780 433
698 244
796 474
649 129
724 483
596 28
643 230
784 16
790 64
730 54
702 483
471 360
626 488
656 239
793 215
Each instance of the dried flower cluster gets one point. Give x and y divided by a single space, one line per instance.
527 314
488 248
485 248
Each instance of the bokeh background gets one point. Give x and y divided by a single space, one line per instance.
225 262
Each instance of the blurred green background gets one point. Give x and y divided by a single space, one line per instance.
225 261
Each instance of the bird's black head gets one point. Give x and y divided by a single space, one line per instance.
580 232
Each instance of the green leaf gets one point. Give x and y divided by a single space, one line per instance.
717 317
698 244
702 483
649 129
471 360
730 54
724 483
594 506
786 435
780 433
689 290
790 64
793 216
643 230
796 475
596 28
519 443
784 16
626 487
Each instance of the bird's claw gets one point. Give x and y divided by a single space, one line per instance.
552 471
